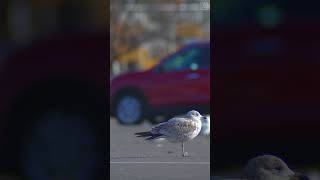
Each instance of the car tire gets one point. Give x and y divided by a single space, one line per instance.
61 144
130 109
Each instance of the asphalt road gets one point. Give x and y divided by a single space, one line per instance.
133 158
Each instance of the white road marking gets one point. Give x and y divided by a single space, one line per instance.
199 163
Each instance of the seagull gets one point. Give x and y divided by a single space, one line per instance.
177 129
267 167
205 129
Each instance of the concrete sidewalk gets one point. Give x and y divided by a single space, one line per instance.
136 159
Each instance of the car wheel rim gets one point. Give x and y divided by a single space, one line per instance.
60 147
129 110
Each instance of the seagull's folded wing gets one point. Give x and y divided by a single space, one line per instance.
176 127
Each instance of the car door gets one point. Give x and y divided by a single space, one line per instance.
198 77
182 79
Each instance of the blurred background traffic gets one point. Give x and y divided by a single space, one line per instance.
159 59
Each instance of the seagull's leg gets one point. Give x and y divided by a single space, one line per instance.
184 154
182 147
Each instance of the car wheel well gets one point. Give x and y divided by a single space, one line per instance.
127 90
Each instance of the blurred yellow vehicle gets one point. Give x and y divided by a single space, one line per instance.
141 57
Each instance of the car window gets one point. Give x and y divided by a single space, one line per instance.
191 59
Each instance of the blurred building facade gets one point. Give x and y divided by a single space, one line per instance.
144 31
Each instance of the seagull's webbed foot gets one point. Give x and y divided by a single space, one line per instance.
185 154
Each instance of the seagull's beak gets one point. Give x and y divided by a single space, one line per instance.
299 176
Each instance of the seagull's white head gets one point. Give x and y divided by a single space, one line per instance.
205 120
194 114
271 167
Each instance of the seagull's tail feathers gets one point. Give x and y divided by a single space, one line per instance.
148 135
143 134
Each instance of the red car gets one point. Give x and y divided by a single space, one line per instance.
180 82
52 109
